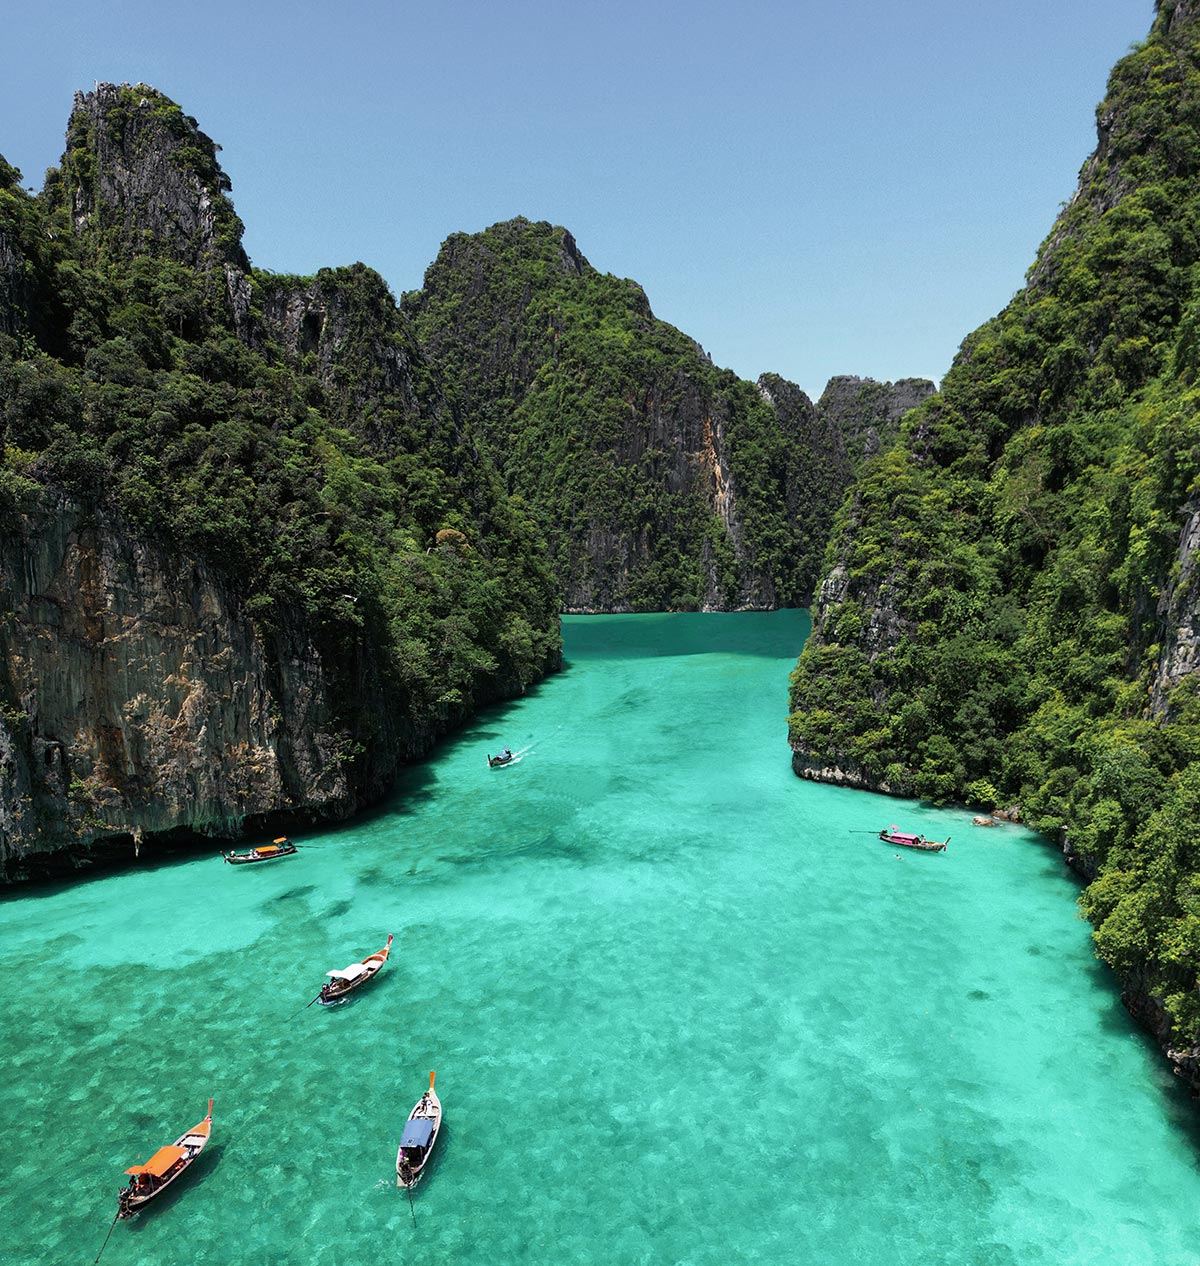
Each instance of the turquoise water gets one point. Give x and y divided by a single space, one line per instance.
682 1006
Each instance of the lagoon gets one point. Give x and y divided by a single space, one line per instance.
683 1008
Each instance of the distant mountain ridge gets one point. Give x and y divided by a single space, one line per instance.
660 481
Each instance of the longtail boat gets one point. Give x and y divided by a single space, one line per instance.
161 1170
419 1136
282 847
893 835
346 979
505 758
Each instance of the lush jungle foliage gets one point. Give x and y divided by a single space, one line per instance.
327 480
605 421
1009 568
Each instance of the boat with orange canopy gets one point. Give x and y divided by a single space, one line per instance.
282 847
161 1170
346 979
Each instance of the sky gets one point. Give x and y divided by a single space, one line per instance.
805 189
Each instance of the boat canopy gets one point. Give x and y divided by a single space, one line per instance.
283 839
160 1162
417 1132
267 848
349 973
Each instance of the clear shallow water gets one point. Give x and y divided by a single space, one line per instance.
683 1009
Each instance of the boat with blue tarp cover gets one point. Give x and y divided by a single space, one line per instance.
419 1136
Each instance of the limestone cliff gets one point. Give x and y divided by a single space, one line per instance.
141 173
252 559
1179 612
141 699
979 506
1010 610
868 413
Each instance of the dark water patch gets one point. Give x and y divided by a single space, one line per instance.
627 702
547 847
293 894
979 995
777 635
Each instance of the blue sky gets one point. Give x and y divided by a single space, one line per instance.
807 189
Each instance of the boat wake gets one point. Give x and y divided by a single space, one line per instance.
517 757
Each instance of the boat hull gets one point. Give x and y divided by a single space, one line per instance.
917 842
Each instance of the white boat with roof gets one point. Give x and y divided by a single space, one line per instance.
344 980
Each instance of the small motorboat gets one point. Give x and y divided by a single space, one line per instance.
419 1136
161 1170
505 758
893 835
282 847
347 979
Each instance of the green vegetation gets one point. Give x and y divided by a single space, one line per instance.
610 425
1010 567
327 481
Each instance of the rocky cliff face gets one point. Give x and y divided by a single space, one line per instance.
19 263
660 481
14 291
367 359
868 413
139 699
140 171
1179 614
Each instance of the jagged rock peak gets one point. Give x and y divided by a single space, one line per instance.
552 238
784 395
518 237
539 252
1175 13
139 174
867 412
